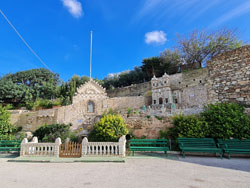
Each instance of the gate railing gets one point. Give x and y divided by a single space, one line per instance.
70 149
34 148
104 148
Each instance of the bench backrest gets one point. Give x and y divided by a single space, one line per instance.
10 143
149 142
197 142
234 143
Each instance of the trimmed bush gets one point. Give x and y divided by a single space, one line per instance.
226 120
109 128
221 120
186 126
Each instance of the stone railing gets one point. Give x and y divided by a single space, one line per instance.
34 148
104 148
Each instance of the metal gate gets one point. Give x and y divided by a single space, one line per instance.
70 149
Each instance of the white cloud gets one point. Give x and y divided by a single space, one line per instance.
155 37
74 7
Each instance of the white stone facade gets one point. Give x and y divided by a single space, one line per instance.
180 91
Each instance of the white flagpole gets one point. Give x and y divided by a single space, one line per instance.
90 54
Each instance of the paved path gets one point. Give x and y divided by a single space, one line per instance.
147 172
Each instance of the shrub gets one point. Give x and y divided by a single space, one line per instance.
7 131
44 103
186 126
49 133
221 120
129 112
226 120
159 118
109 128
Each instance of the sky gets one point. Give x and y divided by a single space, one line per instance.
124 31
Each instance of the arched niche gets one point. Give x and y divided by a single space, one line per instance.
91 107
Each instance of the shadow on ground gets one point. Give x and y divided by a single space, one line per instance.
235 163
8 156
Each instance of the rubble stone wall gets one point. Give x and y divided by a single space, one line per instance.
133 90
229 77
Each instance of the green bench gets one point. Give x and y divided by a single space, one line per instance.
204 145
10 145
234 146
149 145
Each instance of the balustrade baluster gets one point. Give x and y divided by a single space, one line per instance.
100 152
112 150
108 150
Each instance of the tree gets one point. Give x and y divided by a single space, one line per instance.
28 85
152 66
34 77
170 61
12 93
109 128
200 46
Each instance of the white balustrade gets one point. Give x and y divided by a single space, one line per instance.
34 148
104 148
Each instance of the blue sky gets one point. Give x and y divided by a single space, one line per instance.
124 31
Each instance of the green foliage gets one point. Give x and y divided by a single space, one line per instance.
13 93
168 62
125 78
159 118
28 85
42 103
49 133
227 120
7 131
109 128
186 126
67 90
129 112
221 120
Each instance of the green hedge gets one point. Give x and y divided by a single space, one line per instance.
221 120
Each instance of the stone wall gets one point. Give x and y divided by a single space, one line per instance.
75 114
229 77
133 90
147 127
31 120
